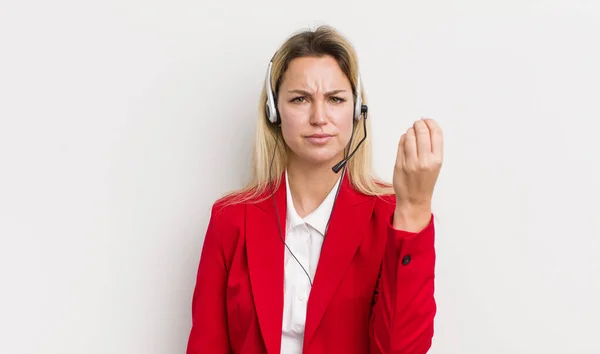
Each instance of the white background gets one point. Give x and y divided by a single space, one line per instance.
122 122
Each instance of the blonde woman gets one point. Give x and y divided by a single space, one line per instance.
316 255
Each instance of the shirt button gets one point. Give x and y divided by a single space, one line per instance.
302 296
298 328
406 260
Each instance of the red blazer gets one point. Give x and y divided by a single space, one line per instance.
373 290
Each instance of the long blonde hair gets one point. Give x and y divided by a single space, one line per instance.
324 40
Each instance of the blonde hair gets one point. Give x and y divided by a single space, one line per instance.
322 41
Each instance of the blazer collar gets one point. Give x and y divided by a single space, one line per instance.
265 252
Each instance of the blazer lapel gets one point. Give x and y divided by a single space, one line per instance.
343 237
265 252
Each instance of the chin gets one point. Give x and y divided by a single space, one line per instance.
317 155
321 157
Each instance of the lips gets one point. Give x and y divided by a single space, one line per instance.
319 139
319 136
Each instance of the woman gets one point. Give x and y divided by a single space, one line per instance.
309 260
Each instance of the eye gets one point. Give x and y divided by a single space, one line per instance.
335 99
298 99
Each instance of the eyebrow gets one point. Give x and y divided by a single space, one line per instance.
306 93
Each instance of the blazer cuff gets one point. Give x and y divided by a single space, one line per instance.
409 243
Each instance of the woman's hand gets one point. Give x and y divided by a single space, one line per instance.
418 165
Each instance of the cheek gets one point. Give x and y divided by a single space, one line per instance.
293 119
291 127
344 126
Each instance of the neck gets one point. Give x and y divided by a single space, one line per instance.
310 185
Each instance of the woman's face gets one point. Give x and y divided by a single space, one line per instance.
316 105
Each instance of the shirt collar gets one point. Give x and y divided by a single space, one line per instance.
318 218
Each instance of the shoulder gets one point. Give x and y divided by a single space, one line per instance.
385 203
231 208
382 204
227 217
228 207
225 208
380 192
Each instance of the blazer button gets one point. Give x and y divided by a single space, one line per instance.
406 260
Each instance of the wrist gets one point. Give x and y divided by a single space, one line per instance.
411 217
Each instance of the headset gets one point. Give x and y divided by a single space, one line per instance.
272 115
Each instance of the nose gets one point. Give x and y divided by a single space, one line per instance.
318 115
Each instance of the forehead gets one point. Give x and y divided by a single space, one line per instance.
316 73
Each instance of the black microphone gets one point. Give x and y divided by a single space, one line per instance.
339 165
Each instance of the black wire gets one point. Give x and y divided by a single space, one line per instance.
277 212
364 136
336 193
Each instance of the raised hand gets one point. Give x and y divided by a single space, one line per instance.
418 164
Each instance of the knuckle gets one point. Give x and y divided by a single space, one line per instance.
401 165
430 164
413 166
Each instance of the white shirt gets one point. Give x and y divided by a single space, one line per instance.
304 237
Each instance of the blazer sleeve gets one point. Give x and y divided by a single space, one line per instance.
404 306
209 332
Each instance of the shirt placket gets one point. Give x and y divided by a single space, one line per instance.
302 286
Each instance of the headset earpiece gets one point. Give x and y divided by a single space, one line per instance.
358 106
271 105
